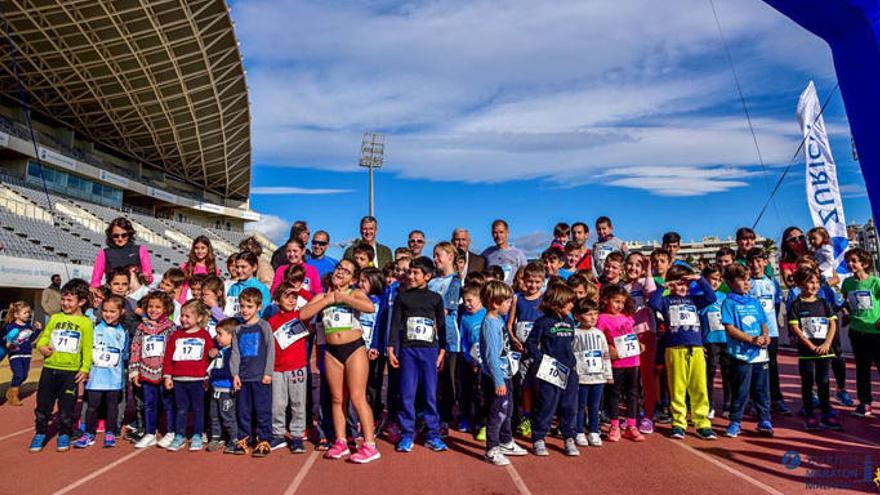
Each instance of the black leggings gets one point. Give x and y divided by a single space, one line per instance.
626 384
110 400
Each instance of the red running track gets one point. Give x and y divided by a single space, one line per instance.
749 464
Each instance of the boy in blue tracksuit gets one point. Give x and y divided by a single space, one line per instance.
494 354
715 341
767 291
221 409
748 337
470 321
417 347
550 344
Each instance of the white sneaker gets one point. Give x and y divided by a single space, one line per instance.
205 438
145 441
581 440
570 448
496 457
594 440
512 448
166 440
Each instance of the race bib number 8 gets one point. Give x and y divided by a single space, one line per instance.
289 333
65 341
189 350
338 317
553 372
683 315
420 329
154 346
104 356
627 345
815 327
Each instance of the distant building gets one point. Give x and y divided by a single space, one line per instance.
865 237
694 250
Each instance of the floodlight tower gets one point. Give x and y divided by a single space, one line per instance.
372 156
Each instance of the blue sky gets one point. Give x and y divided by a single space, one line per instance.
537 112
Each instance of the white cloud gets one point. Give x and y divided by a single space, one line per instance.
533 244
850 191
270 190
271 226
495 91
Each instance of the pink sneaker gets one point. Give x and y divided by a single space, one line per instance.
614 434
632 433
367 453
338 450
102 426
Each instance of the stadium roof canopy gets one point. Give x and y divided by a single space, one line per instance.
160 81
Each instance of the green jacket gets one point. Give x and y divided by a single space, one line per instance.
70 338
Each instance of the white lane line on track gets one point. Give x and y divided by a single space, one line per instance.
517 480
16 433
301 475
76 484
706 457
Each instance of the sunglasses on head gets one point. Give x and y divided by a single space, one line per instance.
319 243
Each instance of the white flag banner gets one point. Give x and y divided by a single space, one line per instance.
823 191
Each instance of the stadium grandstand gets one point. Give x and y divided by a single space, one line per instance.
135 109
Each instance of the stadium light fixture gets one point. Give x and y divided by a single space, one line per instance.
372 157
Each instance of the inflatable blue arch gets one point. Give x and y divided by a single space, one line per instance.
852 30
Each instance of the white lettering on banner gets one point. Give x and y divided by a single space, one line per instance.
210 208
54 158
113 178
25 273
163 195
823 191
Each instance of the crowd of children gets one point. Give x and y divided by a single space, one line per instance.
579 338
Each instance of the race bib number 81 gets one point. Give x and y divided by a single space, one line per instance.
154 346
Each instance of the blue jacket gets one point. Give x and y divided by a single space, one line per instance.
109 348
221 375
554 336
769 296
19 339
449 288
239 287
369 321
381 334
493 350
681 314
710 320
470 324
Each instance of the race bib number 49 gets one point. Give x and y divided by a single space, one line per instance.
104 356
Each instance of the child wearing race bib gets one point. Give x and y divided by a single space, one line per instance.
715 341
19 334
593 369
767 291
813 322
683 343
470 321
145 367
745 322
550 345
66 346
246 266
605 245
291 367
496 373
252 363
862 293
187 355
372 282
447 284
418 337
107 377
221 408
213 297
172 284
616 322
641 286
524 311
